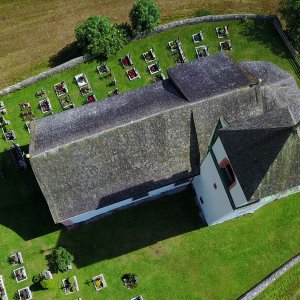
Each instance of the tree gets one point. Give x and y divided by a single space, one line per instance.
98 36
60 259
290 10
144 16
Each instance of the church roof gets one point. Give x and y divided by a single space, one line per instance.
104 152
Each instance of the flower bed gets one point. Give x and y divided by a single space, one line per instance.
226 45
60 89
3 294
91 98
130 280
132 74
70 285
103 69
25 105
201 51
99 282
45 105
81 80
149 56
66 102
27 115
198 37
20 274
126 61
154 68
113 93
222 32
25 293
86 90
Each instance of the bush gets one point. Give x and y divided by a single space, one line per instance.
37 278
98 36
47 284
203 12
290 10
60 259
144 16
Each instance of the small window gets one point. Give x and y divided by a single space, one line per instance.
227 172
201 200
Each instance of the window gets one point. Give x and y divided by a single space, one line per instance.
227 173
201 200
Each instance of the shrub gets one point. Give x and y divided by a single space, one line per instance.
290 10
201 12
98 36
47 284
37 278
144 16
60 259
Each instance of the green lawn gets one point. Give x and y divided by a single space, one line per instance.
162 241
174 256
287 287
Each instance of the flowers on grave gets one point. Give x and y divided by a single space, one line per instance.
98 282
130 280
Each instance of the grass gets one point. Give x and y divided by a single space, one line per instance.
36 34
162 241
287 287
251 40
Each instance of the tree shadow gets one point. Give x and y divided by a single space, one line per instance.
67 53
131 229
265 33
23 208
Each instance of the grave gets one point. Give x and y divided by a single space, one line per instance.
132 74
226 45
154 68
45 106
198 37
126 61
222 32
60 88
201 51
149 56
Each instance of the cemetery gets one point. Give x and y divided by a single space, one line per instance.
63 92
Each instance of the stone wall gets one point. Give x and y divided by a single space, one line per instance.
68 65
217 18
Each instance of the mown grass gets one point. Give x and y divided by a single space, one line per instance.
163 242
286 287
36 34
